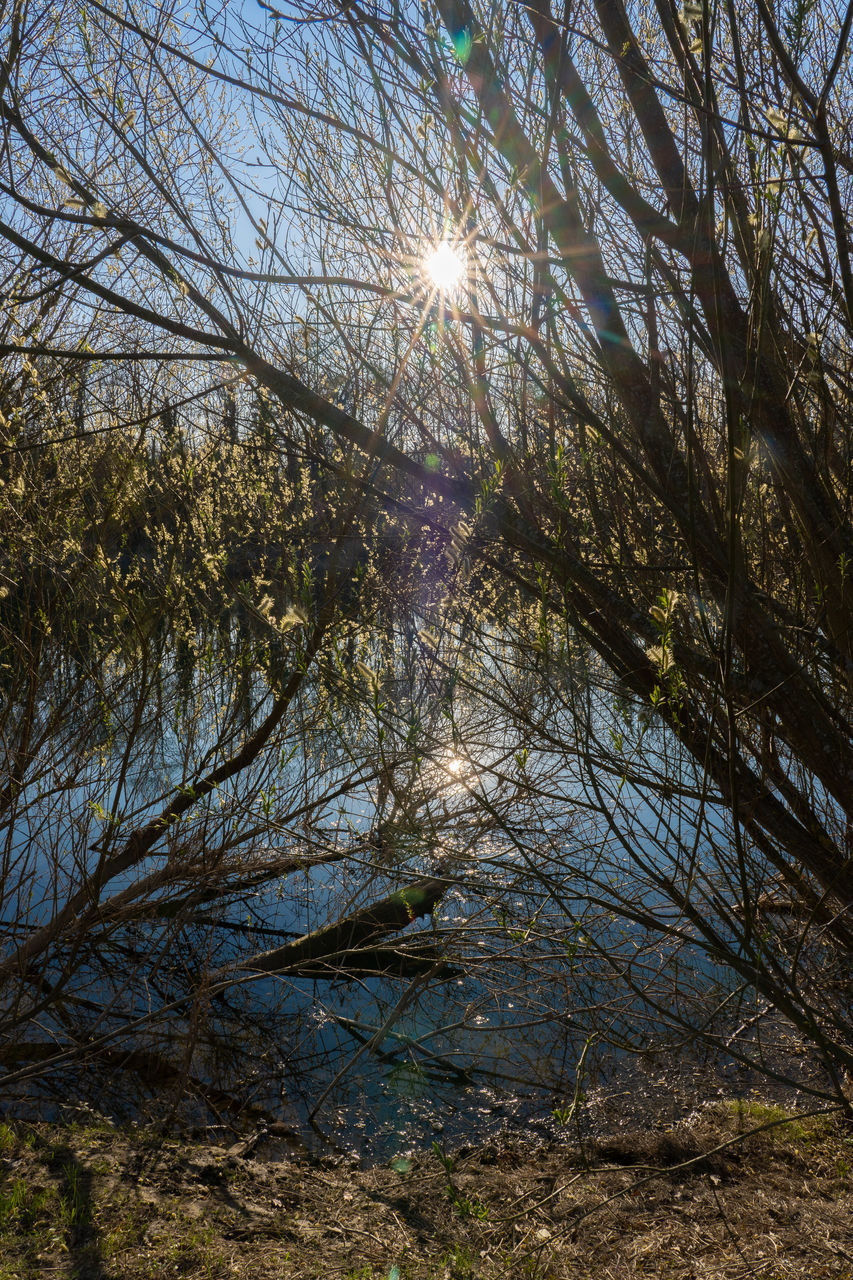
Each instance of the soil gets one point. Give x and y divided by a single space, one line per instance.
698 1200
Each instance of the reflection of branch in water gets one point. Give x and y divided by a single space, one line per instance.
466 1075
408 960
399 1008
367 1035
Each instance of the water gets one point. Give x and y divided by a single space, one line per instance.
495 1048
559 988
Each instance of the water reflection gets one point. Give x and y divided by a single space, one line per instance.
538 855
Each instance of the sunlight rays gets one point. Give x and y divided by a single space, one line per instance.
446 267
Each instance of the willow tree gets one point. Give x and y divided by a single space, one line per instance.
625 420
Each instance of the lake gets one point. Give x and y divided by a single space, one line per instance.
572 960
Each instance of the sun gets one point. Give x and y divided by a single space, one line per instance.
446 266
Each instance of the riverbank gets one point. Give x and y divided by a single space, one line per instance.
695 1201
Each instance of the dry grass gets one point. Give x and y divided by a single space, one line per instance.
95 1203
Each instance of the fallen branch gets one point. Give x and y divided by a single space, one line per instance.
347 938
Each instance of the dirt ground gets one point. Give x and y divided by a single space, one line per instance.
695 1202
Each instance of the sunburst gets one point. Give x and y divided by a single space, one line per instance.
446 266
